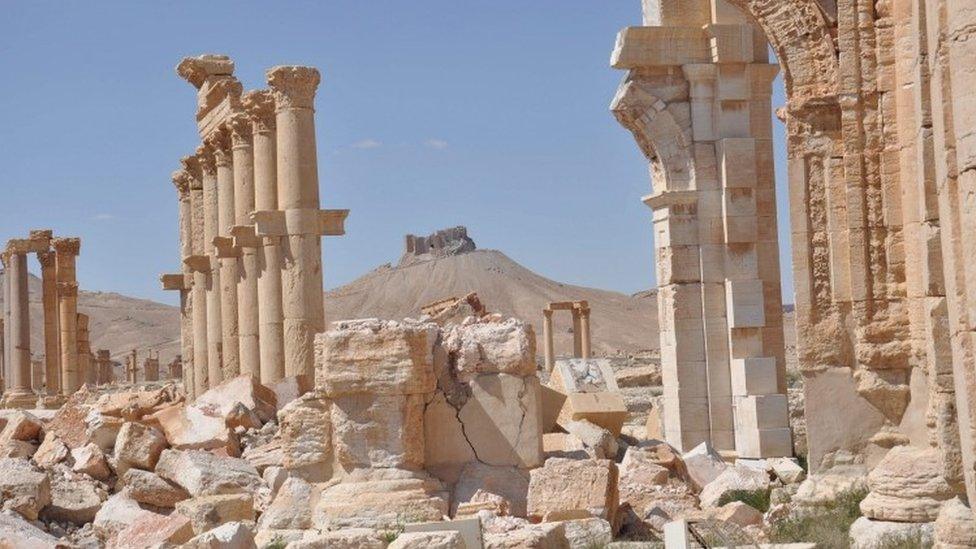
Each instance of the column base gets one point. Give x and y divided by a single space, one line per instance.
23 401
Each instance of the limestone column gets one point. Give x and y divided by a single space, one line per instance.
198 262
298 195
547 339
49 298
584 315
577 333
214 338
248 313
18 391
260 107
4 378
85 368
66 250
132 371
150 368
183 182
227 255
104 361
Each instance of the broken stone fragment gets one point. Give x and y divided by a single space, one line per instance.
241 416
222 399
516 533
877 534
135 405
639 469
21 425
292 507
510 484
378 430
153 530
734 479
195 428
16 532
491 346
17 449
787 470
90 460
152 489
73 500
738 513
955 527
702 465
583 375
607 409
51 451
232 535
139 445
597 441
566 489
588 532
290 388
348 538
202 473
25 488
305 432
208 512
117 513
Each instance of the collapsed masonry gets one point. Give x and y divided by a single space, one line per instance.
442 243
250 228
68 358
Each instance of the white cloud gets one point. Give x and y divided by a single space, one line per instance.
367 144
103 217
438 144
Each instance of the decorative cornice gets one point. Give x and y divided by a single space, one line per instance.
260 108
196 70
293 86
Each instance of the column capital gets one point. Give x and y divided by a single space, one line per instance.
260 108
191 165
196 70
205 159
293 86
46 258
182 180
67 246
174 282
219 143
67 289
240 130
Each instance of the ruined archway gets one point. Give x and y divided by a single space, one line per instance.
883 336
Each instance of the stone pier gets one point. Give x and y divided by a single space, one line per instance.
18 393
132 367
66 250
260 108
86 368
103 358
150 367
52 340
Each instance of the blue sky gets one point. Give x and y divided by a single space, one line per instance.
432 113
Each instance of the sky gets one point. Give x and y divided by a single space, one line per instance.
431 114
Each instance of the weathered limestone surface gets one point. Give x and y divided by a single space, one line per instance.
907 486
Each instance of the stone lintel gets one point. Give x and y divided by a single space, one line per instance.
638 47
198 263
220 115
568 306
665 199
299 221
245 236
28 245
174 281
225 247
41 234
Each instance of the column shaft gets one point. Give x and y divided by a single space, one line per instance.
186 301
214 319
585 333
248 312
52 348
228 265
550 355
260 107
195 370
298 195
66 249
19 384
577 334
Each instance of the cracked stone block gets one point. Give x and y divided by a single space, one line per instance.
305 429
566 489
383 431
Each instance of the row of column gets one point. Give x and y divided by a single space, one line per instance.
581 330
67 352
250 228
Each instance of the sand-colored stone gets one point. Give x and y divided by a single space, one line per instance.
568 489
139 445
906 486
26 489
208 512
201 473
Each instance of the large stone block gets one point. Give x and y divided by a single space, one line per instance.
763 443
194 428
208 512
139 445
305 430
222 399
377 357
567 489
25 489
583 375
380 499
744 299
491 346
378 430
608 410
762 412
74 501
907 485
753 376
153 530
507 483
202 473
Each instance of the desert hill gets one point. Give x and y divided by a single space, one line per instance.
118 323
619 322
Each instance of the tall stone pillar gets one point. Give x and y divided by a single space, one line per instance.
260 108
52 338
577 333
104 361
550 355
66 250
227 255
184 182
18 385
86 371
195 371
248 312
132 367
298 197
4 378
150 367
584 316
215 345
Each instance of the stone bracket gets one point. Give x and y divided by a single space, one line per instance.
174 281
225 247
300 221
664 199
638 47
198 263
245 236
